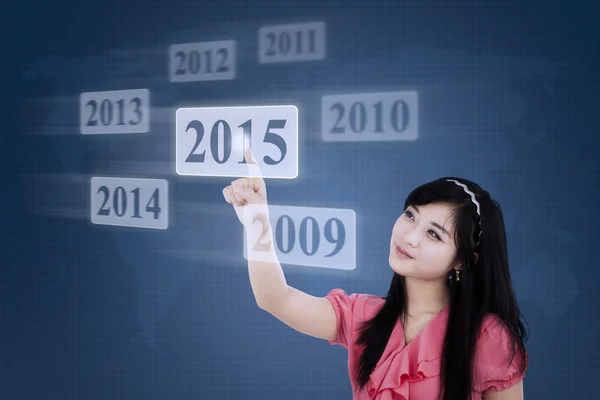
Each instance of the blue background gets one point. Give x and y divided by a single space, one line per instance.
509 97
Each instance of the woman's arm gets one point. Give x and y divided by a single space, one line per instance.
515 392
313 316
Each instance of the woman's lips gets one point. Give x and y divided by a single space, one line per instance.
402 253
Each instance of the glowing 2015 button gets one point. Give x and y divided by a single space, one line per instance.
210 141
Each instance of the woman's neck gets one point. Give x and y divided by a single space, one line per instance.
425 298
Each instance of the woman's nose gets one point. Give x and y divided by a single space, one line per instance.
410 238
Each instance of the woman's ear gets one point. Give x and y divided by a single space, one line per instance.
456 265
475 258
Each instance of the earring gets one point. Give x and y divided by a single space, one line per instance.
457 272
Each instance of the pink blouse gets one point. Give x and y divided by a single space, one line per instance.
411 371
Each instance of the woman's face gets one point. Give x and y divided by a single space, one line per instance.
426 234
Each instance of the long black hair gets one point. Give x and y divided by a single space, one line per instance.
485 287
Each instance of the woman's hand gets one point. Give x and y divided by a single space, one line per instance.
248 195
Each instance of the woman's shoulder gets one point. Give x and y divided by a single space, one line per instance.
338 292
361 303
494 338
493 331
491 323
350 311
498 361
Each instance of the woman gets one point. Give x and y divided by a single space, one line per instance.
449 327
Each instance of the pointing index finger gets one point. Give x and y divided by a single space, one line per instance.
252 164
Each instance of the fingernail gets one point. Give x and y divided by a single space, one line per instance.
236 188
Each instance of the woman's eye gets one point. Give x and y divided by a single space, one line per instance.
408 214
434 234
